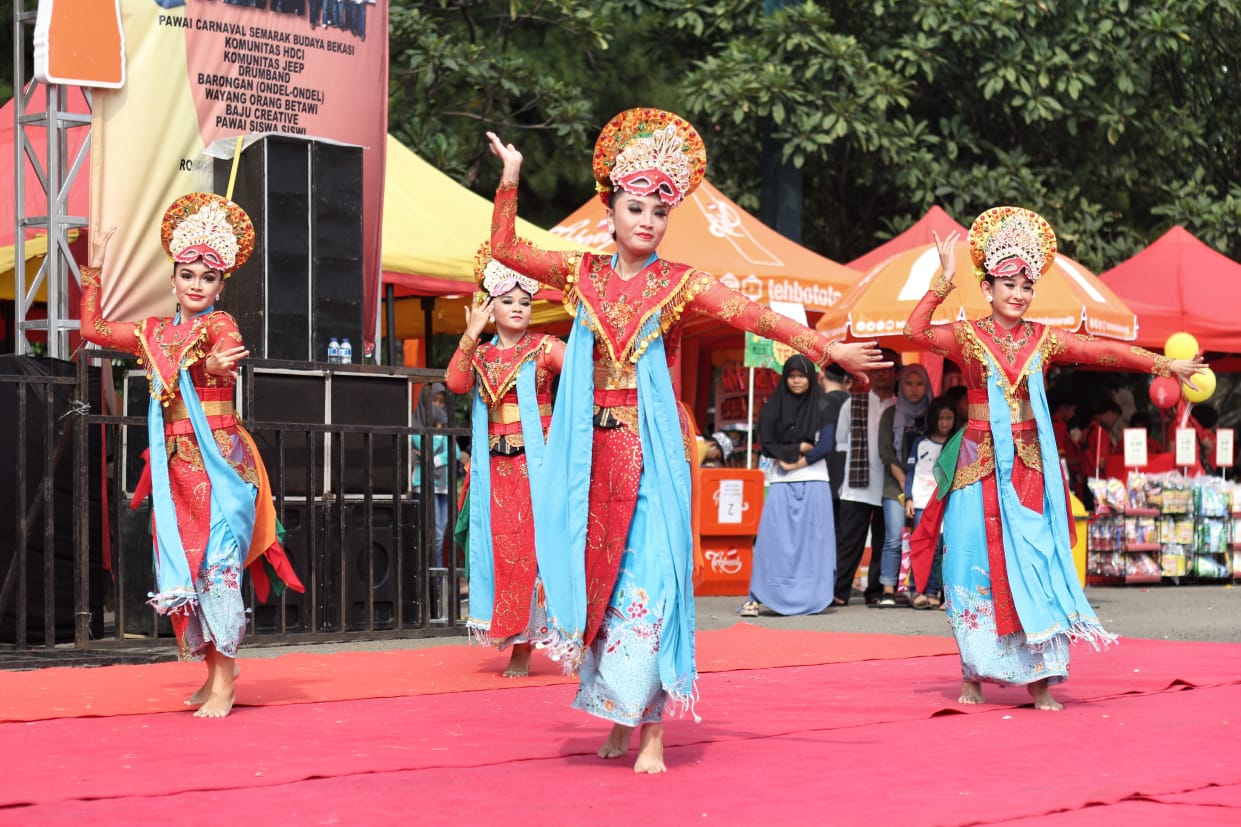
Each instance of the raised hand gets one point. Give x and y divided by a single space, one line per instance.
947 248
508 155
99 247
476 319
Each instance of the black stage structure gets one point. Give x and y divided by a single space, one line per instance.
336 443
336 440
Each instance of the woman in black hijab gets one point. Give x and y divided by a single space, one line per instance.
794 565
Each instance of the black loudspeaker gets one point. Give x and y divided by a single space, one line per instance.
332 398
373 399
294 397
304 283
367 565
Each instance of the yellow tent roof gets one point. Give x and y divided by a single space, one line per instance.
433 226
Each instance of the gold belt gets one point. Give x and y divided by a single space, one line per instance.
506 413
613 377
176 410
982 411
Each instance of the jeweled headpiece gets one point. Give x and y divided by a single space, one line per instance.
495 279
649 151
1004 241
205 226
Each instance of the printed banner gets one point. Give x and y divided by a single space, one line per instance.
202 72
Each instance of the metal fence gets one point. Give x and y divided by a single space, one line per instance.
336 440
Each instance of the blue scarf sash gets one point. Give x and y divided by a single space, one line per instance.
232 500
562 510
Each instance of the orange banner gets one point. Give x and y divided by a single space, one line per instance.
202 72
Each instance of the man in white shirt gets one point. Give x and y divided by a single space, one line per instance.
861 494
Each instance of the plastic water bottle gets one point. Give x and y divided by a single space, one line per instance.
346 352
333 351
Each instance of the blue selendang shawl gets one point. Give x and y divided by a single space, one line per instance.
1037 551
232 500
561 510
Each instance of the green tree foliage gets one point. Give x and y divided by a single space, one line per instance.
458 68
1115 120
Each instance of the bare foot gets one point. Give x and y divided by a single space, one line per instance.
1040 691
971 693
651 750
617 743
218 705
519 663
205 690
221 676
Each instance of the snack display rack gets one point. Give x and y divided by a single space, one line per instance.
1154 528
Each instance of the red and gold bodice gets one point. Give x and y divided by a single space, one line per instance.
163 348
618 309
980 344
494 370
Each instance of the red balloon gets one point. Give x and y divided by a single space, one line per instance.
1165 391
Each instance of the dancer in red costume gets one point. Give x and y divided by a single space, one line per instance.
211 502
1012 594
617 543
512 375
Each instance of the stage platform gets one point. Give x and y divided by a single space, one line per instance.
797 727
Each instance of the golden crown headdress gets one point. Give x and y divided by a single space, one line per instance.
495 279
649 151
208 227
1005 241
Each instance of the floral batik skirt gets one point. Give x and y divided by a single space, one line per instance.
213 554
620 672
985 654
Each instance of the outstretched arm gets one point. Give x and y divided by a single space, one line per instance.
1078 348
552 268
734 308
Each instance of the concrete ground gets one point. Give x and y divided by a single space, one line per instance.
1206 613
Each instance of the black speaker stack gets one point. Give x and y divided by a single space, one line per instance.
303 285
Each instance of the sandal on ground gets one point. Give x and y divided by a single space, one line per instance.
749 609
920 602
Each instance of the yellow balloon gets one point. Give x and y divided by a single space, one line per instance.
1206 386
1180 346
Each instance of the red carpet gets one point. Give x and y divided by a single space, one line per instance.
1149 736
307 678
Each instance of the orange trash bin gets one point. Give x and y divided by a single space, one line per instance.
729 503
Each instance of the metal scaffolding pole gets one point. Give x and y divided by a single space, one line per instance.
54 175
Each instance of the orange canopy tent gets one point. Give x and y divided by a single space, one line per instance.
1068 296
1179 283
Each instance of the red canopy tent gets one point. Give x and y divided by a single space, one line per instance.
1179 283
36 199
918 234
